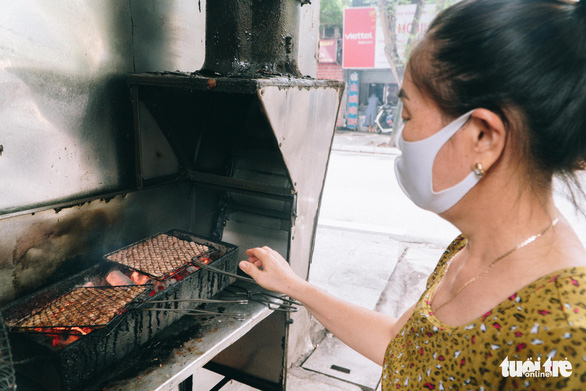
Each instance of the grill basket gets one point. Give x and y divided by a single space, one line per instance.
162 255
95 355
7 376
81 310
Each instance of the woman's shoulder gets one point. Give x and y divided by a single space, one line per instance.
457 244
568 283
557 298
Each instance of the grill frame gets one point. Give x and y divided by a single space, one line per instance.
175 233
81 362
49 329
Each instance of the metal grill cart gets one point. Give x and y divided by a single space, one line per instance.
103 161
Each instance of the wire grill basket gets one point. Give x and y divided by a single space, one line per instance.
160 256
7 376
78 310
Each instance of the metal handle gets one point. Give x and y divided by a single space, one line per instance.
265 298
210 301
219 271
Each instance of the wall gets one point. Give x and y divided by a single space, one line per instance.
332 72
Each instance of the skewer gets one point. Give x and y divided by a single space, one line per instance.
195 312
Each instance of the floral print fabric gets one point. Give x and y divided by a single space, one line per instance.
545 319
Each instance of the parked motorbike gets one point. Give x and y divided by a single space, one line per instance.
384 119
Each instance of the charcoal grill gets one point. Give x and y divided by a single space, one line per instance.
105 144
102 346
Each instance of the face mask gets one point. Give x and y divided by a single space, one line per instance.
414 170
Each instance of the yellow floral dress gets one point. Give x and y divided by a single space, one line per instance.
534 340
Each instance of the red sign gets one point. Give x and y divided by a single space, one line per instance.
328 50
359 37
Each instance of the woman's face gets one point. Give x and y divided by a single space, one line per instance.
423 119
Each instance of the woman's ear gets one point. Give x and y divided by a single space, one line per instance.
489 134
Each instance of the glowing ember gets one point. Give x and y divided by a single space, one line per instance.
138 278
63 336
179 275
117 278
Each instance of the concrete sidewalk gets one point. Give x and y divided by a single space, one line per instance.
361 142
369 269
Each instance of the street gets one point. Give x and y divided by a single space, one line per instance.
362 193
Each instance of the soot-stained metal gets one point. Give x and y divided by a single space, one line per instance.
235 152
252 37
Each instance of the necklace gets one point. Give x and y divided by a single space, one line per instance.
518 247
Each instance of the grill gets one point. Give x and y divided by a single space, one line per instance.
82 308
99 161
160 256
73 334
7 376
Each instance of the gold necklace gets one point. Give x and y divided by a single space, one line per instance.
518 247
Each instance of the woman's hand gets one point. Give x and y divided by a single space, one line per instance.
271 271
347 321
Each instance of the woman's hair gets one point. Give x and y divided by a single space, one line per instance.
522 59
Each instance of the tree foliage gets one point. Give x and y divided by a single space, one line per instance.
331 12
387 9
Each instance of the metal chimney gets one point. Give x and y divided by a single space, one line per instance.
247 37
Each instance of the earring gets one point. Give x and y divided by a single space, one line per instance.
478 170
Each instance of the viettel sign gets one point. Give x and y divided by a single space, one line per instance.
359 37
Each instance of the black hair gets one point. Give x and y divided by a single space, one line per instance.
513 56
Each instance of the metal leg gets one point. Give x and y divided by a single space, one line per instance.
221 384
187 384
258 359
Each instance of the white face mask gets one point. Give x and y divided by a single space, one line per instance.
414 169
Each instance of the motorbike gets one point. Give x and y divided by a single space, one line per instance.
384 119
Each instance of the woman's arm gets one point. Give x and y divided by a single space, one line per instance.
366 331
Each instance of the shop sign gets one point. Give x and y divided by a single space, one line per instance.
352 119
359 37
328 50
404 22
364 42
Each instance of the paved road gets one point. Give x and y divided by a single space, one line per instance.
361 193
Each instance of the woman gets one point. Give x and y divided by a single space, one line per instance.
494 104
